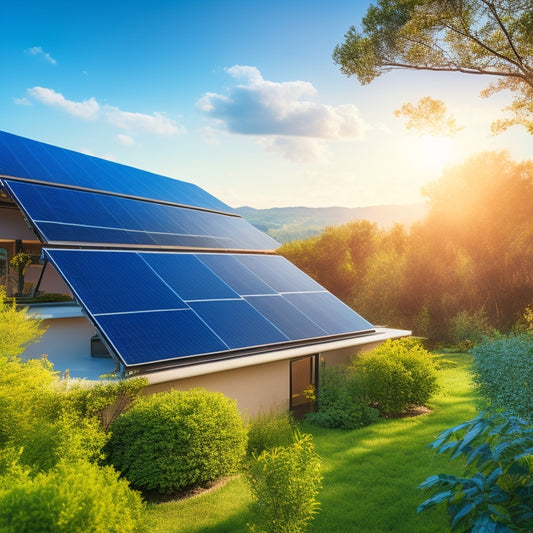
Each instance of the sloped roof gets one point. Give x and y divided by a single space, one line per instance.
167 273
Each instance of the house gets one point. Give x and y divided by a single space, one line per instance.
165 281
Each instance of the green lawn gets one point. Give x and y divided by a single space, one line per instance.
370 475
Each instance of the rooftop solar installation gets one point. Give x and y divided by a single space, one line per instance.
67 215
154 307
28 160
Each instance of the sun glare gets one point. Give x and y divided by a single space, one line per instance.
428 152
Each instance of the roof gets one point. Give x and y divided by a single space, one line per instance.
168 274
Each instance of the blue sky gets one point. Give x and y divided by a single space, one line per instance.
239 97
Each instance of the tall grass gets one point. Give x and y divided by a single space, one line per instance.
370 474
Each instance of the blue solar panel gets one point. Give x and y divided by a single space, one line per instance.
114 282
292 322
190 278
159 336
279 273
238 324
329 312
28 159
62 215
235 274
212 302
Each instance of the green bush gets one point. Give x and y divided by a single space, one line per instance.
73 498
174 440
284 482
341 401
266 431
498 494
503 371
396 375
468 329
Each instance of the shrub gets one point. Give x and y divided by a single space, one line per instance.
503 371
174 440
284 482
267 431
498 494
468 329
396 375
73 498
341 401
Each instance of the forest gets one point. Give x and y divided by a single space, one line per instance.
465 268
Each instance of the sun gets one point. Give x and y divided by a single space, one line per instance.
433 153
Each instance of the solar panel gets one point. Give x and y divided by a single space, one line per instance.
62 215
163 306
35 161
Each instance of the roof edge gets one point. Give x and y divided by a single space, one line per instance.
173 374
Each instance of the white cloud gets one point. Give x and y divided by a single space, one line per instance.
297 149
21 101
262 107
38 51
90 109
157 123
125 140
87 110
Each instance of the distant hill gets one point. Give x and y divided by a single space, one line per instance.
289 223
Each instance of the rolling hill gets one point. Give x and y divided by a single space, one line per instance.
289 223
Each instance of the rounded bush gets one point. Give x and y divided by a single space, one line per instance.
73 498
179 439
397 375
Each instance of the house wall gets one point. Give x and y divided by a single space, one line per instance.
260 388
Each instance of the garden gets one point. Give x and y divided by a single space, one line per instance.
402 440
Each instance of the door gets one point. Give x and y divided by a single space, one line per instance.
303 381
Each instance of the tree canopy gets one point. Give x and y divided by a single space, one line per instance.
493 38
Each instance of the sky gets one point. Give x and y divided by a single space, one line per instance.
239 97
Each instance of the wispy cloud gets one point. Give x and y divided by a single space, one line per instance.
157 123
38 51
87 110
125 140
256 106
21 101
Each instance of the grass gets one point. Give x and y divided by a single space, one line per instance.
370 474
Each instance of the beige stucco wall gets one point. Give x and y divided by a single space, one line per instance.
262 388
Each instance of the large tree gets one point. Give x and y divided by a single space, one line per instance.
493 38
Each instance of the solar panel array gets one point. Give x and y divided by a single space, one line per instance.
35 161
156 306
65 215
201 298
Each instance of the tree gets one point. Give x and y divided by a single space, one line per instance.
493 38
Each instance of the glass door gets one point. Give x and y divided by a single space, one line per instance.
303 382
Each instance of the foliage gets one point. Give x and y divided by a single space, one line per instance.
396 375
468 329
473 37
174 440
20 262
341 401
428 116
16 330
498 495
285 482
266 431
74 497
503 371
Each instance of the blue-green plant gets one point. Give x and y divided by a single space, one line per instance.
503 372
496 494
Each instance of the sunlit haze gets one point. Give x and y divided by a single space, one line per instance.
241 98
